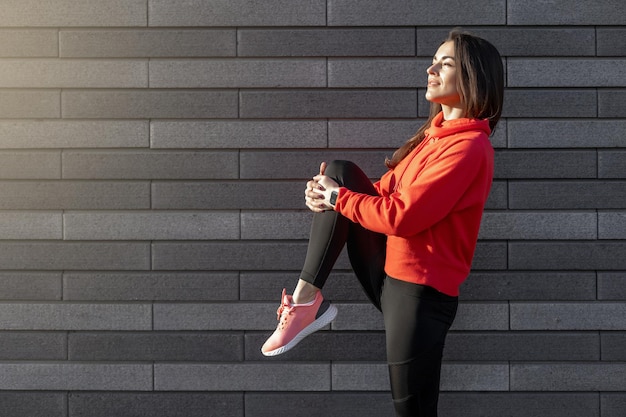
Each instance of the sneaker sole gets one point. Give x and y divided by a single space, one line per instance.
322 321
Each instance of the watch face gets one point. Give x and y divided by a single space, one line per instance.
333 197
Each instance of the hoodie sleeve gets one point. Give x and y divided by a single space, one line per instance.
424 199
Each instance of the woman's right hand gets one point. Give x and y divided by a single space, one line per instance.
313 196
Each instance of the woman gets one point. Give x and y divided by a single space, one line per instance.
410 236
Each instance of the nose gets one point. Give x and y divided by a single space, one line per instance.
433 69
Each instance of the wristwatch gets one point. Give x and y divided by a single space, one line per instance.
333 198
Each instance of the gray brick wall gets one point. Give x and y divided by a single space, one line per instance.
152 159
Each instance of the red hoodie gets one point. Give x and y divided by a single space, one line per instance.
430 205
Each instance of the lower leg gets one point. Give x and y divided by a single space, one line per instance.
417 319
330 231
304 292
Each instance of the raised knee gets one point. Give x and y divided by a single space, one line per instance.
337 167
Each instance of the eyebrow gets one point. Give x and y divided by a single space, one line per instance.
444 57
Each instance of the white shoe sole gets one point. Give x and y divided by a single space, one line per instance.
322 321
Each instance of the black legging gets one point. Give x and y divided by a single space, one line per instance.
417 317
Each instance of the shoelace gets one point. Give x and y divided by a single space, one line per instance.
283 311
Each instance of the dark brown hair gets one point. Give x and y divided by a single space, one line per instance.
480 83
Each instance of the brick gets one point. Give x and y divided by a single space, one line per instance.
30 165
377 73
75 377
511 285
326 42
155 347
611 286
324 346
150 225
612 225
498 196
578 72
238 134
519 404
33 404
549 103
227 256
237 13
611 103
475 377
74 255
150 165
304 165
266 286
567 255
133 286
74 134
527 225
275 225
561 12
358 317
58 195
338 104
30 286
481 316
499 135
42 316
568 316
513 164
162 404
370 404
610 41
362 134
454 377
226 195
388 133
490 256
567 194
612 164
613 346
19 43
514 41
568 377
135 104
31 225
147 43
402 13
21 346
612 405
505 346
44 73
220 316
73 13
565 133
360 377
470 316
238 73
242 377
21 104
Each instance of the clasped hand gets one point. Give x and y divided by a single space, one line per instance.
318 191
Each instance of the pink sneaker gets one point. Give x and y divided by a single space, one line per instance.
295 322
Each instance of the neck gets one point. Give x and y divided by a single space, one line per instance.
450 113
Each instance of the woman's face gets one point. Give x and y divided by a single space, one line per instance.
442 78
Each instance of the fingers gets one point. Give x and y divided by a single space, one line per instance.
314 198
314 192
